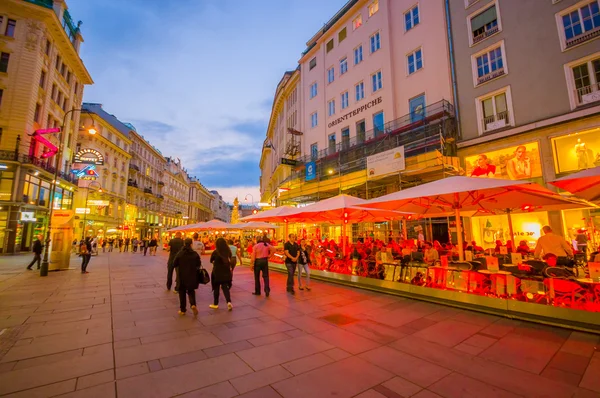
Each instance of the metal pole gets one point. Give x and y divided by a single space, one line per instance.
459 235
87 192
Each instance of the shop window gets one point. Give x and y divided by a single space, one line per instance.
577 151
526 226
521 162
6 185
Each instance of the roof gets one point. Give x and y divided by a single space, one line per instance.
110 119
338 15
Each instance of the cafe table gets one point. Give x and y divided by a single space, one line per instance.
500 281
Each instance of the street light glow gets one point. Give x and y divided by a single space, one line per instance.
330 171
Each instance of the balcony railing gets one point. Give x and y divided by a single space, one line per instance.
147 190
495 122
159 196
401 125
490 76
9 155
131 183
485 34
43 3
160 183
588 94
134 167
582 38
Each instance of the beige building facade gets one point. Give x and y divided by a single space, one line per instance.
200 202
176 192
42 79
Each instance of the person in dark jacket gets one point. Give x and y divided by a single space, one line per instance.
85 250
187 263
37 252
175 245
222 274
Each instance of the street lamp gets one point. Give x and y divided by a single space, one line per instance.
91 130
252 197
86 204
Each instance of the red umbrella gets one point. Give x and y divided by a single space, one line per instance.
585 184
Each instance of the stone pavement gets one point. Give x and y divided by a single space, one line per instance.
115 332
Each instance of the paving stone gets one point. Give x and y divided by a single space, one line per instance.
337 354
252 331
50 390
568 362
459 386
27 363
402 386
132 370
102 391
272 338
219 390
590 380
370 393
255 380
265 392
449 332
95 379
182 359
347 341
308 324
227 349
562 376
584 344
155 365
307 363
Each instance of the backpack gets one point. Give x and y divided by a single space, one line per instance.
83 249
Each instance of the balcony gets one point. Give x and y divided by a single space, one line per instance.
148 190
582 38
9 155
490 76
131 183
496 122
588 94
485 34
159 196
134 167
161 184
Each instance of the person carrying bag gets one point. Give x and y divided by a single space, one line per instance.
187 262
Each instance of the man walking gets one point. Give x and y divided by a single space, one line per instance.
37 252
134 244
291 259
175 246
259 262
144 246
126 245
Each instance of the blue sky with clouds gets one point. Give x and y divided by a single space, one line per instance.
197 77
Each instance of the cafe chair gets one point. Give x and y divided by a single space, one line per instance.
565 293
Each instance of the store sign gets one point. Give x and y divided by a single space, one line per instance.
140 220
289 162
388 162
311 171
28 216
88 173
89 156
355 112
97 202
61 217
81 210
515 163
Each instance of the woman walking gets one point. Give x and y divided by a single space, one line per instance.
187 262
221 273
85 250
303 263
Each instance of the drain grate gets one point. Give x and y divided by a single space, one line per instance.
339 319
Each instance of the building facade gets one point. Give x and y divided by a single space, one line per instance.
529 98
175 207
145 186
102 161
41 87
220 209
200 202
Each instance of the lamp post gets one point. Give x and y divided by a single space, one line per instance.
251 197
86 204
44 266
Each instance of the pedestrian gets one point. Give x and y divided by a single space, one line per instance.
221 273
144 246
111 244
134 244
74 246
235 254
187 263
291 259
175 245
198 246
95 245
153 245
85 251
126 249
259 262
120 246
304 263
103 245
37 252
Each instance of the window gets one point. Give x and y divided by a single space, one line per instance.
343 65
331 107
344 99
586 81
484 24
43 79
313 90
489 64
330 45
1 93
48 47
4 57
313 119
53 93
375 42
36 113
415 61
57 65
357 22
330 75
360 91
314 151
373 8
581 24
376 79
342 35
68 78
346 138
411 18
378 123
331 143
360 131
312 63
494 110
10 28
358 55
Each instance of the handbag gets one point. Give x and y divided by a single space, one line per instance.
203 276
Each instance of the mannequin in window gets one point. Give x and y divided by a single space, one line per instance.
519 166
483 168
581 151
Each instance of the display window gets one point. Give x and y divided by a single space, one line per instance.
578 151
521 162
526 227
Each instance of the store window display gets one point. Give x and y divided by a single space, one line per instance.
526 227
577 151
520 162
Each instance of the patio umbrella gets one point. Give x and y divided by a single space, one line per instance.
256 225
470 194
585 184
274 215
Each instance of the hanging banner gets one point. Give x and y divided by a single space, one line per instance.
514 163
388 162
311 171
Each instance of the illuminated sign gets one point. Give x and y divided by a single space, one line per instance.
98 202
140 220
89 156
28 216
87 173
81 210
515 163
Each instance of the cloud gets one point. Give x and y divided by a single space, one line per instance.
229 193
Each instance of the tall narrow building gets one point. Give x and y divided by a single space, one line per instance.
41 87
